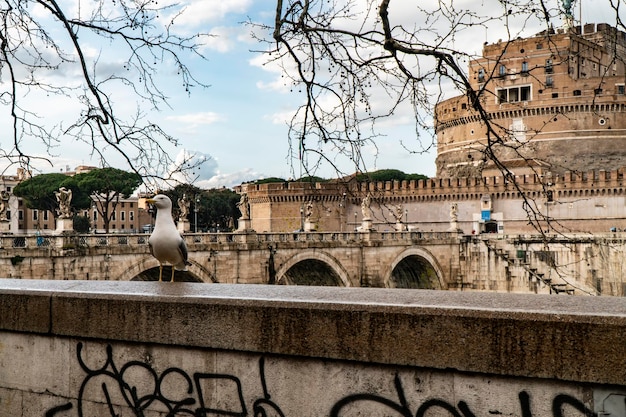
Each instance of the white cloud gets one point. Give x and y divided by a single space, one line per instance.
192 166
222 39
191 122
197 13
229 180
204 118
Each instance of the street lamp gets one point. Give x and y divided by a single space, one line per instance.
195 214
342 209
406 218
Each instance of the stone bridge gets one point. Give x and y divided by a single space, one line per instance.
397 259
573 264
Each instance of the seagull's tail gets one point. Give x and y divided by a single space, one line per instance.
182 266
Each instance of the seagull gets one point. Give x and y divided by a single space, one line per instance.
166 243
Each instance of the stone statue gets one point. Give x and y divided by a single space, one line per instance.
399 213
64 198
309 211
4 203
183 205
567 5
244 206
454 209
365 207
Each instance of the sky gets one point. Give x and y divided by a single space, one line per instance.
238 124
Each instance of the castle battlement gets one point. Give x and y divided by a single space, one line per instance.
593 182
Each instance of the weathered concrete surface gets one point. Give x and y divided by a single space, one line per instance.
309 351
569 338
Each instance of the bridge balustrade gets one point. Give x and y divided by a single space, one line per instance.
111 240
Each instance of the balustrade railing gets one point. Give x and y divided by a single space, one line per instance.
40 241
100 240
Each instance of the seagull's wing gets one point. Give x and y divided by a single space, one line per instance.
182 249
151 250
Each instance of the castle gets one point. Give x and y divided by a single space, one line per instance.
541 148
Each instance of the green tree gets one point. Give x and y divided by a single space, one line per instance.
38 192
216 207
106 186
389 175
81 223
221 208
193 195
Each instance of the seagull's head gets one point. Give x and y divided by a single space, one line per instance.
160 201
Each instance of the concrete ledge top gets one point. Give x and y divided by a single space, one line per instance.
562 337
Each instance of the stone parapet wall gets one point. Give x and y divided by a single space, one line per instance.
129 349
434 187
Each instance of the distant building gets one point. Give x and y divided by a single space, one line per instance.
128 216
557 105
556 100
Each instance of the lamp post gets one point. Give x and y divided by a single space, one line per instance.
195 214
342 209
301 218
406 218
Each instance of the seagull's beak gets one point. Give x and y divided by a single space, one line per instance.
149 200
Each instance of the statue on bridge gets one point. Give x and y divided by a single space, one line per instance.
183 206
244 206
245 224
366 210
398 213
365 207
4 203
64 198
454 218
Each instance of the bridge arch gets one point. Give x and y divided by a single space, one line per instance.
415 267
319 267
195 272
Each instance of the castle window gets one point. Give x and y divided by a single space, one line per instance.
514 94
481 75
524 68
577 92
502 71
549 81
549 68
620 88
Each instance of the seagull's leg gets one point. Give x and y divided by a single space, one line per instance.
173 270
160 271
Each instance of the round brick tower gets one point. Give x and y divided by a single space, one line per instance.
556 102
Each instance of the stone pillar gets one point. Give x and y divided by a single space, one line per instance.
65 226
309 226
245 225
183 226
366 225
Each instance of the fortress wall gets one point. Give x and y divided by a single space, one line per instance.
150 349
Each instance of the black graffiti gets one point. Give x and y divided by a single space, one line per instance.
111 380
189 395
58 409
462 409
